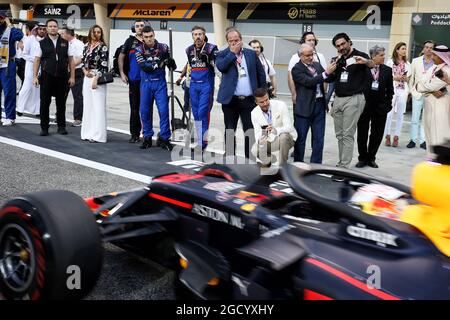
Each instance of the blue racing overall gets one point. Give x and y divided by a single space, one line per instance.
201 90
154 87
8 69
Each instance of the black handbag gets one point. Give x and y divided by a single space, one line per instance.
106 77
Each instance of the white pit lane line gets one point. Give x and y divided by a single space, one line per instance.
77 160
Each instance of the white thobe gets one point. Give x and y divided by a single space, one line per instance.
29 96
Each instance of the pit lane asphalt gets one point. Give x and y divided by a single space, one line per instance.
124 276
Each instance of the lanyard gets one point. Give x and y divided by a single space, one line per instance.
376 74
239 58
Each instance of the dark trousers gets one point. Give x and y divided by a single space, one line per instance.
77 94
376 121
56 86
134 91
20 63
231 113
317 124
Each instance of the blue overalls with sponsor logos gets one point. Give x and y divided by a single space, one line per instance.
154 87
8 74
201 88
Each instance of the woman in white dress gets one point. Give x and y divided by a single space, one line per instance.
436 88
95 63
400 72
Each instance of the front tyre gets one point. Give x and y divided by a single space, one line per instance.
50 247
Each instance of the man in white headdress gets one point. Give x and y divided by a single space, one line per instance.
436 113
29 95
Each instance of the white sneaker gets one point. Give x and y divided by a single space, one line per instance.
8 122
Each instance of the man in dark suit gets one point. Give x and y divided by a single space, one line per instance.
378 93
242 72
310 106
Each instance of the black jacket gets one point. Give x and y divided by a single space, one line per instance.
306 87
49 64
380 101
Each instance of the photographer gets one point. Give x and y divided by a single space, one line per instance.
273 128
350 80
9 36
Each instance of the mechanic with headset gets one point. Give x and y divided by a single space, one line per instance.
268 68
130 74
311 39
201 57
152 57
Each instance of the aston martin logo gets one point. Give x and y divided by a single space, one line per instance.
293 13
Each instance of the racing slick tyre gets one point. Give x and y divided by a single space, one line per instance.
50 247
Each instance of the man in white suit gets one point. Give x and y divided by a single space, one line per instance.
272 127
419 68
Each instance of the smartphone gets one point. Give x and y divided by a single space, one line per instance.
264 127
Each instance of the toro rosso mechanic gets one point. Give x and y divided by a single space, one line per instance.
152 56
201 56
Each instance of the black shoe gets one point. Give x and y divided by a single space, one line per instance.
44 132
361 164
147 143
19 113
423 145
134 139
372 164
62 130
411 144
165 144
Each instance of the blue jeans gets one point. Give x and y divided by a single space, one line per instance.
317 124
417 106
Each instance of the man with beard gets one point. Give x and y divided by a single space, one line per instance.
153 57
201 56
350 80
130 73
53 58
29 100
9 35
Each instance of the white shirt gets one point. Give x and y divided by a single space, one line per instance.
76 48
268 67
318 57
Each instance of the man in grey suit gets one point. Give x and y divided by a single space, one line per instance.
310 106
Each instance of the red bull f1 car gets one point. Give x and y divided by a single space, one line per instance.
230 235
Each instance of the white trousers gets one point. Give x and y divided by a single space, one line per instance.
399 108
93 126
29 99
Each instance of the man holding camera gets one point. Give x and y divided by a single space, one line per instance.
201 56
153 57
350 77
9 37
273 129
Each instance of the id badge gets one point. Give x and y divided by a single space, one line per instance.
242 73
375 85
344 77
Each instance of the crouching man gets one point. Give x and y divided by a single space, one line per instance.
273 129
